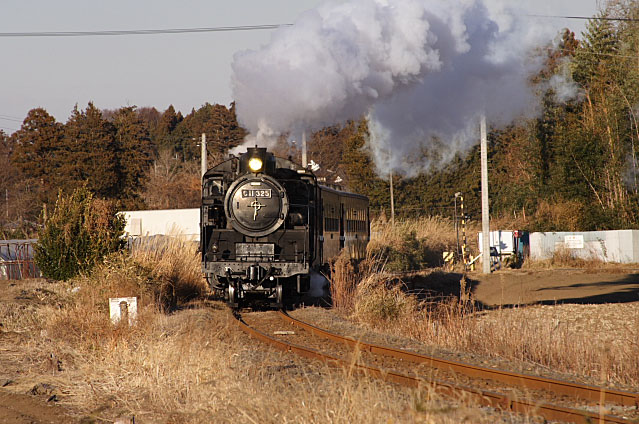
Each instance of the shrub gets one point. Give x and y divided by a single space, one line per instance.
81 231
407 254
174 263
382 302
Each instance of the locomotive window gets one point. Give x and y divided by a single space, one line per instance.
216 188
331 224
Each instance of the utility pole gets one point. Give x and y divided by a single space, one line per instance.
304 158
458 194
392 198
203 155
485 212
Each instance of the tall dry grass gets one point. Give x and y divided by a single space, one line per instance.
566 258
195 367
188 365
414 244
159 277
505 333
369 297
438 232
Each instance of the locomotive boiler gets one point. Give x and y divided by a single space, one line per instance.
267 225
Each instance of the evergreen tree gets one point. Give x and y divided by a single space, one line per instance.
90 153
163 134
38 151
361 171
220 125
597 50
135 154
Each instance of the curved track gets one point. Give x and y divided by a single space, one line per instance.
486 398
580 391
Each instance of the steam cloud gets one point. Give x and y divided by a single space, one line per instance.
421 70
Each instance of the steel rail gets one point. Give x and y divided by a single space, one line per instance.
485 398
581 391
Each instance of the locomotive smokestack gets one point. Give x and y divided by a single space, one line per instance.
304 161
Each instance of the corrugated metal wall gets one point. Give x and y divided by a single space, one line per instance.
608 246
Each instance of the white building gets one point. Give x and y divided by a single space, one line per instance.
184 222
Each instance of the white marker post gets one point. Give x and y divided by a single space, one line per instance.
123 308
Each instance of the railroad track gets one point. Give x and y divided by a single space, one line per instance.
505 402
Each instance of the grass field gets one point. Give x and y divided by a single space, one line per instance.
184 360
372 296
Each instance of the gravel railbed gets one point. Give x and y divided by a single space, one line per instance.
271 324
268 323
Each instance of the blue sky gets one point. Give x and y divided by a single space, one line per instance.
185 70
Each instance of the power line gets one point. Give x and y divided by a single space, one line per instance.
598 54
140 31
10 118
10 129
586 18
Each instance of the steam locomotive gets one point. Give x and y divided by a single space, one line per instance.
267 226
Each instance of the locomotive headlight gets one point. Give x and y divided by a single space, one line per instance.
255 164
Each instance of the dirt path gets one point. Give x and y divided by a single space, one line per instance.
556 286
26 409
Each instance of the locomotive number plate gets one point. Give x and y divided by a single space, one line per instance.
256 193
255 249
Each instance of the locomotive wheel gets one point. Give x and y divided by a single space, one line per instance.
232 296
279 296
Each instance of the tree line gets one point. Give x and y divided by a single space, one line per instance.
136 157
573 167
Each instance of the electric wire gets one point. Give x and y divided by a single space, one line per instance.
586 18
10 118
231 28
236 28
582 52
142 31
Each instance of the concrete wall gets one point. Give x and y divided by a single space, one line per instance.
163 222
608 246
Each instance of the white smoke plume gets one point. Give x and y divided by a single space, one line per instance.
421 70
565 88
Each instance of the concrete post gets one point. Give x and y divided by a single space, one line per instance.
485 211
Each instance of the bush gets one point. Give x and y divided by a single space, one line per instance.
407 254
81 231
382 302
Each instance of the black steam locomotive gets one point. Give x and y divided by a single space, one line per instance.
267 225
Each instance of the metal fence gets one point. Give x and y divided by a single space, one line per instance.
620 246
16 260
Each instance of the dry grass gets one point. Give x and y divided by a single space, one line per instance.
415 244
565 258
437 232
509 334
189 365
457 325
195 367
